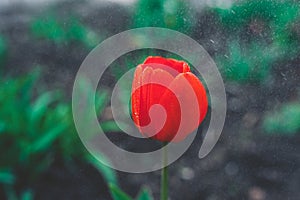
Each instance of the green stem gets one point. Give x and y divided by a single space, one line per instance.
164 176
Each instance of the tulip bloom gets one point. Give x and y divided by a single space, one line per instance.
170 84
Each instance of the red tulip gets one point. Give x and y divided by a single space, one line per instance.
170 84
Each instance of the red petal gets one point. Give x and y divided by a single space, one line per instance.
148 87
183 66
172 64
145 96
158 60
172 107
160 80
185 86
136 95
200 92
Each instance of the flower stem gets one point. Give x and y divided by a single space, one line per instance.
164 175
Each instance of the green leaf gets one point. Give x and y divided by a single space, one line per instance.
39 109
48 28
2 126
47 138
26 85
101 100
77 31
172 14
7 177
3 50
27 195
246 63
144 194
117 193
41 104
284 120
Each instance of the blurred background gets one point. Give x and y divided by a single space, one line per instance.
255 45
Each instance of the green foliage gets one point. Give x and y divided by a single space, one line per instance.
144 194
173 14
48 28
3 50
25 131
285 120
248 62
63 32
36 131
285 29
275 24
241 13
27 195
7 177
118 194
76 31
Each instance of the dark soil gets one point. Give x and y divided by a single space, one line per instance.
245 163
80 182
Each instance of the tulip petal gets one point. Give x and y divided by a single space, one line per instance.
136 95
200 92
145 95
148 87
185 86
172 107
160 80
170 84
173 66
183 66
